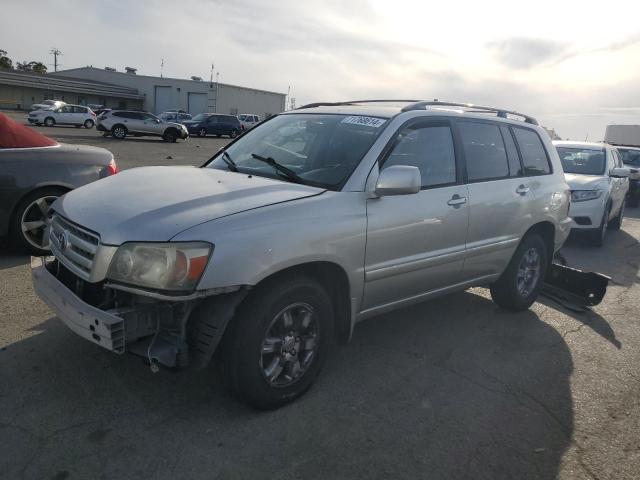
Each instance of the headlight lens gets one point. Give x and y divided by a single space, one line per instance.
584 195
161 266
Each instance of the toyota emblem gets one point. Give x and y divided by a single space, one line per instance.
63 240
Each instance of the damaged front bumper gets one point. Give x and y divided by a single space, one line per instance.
574 288
170 333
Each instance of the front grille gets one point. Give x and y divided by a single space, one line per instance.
74 246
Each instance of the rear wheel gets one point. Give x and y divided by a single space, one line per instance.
519 285
31 219
119 132
49 122
202 132
278 342
233 133
88 123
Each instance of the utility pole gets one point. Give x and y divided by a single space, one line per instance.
55 52
161 67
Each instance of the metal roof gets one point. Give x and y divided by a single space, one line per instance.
66 84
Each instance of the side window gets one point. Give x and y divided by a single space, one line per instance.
515 167
428 147
79 110
484 151
67 109
534 156
149 118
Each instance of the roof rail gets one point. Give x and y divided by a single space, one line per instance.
471 108
353 102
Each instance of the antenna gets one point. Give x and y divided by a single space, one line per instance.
55 52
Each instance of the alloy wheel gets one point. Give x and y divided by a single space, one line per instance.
36 220
290 344
528 272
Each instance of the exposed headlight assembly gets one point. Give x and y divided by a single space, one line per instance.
584 195
160 266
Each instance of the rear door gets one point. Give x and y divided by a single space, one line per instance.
416 243
65 115
499 196
214 125
80 114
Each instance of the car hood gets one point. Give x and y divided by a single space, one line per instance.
585 182
157 203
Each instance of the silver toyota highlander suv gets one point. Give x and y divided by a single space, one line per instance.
122 123
314 220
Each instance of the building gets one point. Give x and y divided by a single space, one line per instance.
193 95
20 90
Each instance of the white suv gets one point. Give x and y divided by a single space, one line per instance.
248 120
599 184
77 115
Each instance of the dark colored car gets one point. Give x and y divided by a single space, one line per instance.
214 124
34 171
631 158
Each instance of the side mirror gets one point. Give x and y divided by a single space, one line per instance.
158 120
619 172
398 180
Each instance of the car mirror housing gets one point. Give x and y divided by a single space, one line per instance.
398 180
620 172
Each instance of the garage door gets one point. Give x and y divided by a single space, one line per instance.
197 103
163 99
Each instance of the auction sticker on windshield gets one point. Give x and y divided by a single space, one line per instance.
366 121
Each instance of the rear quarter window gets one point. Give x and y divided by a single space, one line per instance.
534 155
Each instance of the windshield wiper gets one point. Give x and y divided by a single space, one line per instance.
229 161
284 171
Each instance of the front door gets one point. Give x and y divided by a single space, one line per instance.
416 243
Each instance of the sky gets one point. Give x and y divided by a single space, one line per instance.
573 65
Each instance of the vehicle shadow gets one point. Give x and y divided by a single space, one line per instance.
11 257
454 388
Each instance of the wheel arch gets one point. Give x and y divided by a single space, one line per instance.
547 231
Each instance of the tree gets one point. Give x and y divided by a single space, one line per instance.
38 67
23 66
5 62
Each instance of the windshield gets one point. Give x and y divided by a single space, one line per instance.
322 150
630 156
583 161
200 117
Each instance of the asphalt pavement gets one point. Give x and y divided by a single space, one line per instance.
455 388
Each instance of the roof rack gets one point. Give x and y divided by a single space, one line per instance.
352 102
471 108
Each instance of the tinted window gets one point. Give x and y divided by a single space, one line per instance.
484 151
79 110
583 161
515 167
66 109
534 156
629 156
428 147
148 116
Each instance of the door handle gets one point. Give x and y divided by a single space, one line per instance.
522 190
456 201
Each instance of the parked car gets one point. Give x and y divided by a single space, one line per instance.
76 115
100 111
214 124
174 117
599 184
47 105
36 170
631 159
248 120
312 221
122 123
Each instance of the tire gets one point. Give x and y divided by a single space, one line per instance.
88 124
119 132
233 133
597 235
32 212
49 122
519 285
202 132
170 135
263 364
616 223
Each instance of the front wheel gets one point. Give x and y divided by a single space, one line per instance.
599 234
278 342
170 136
49 122
519 285
202 132
616 223
119 132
